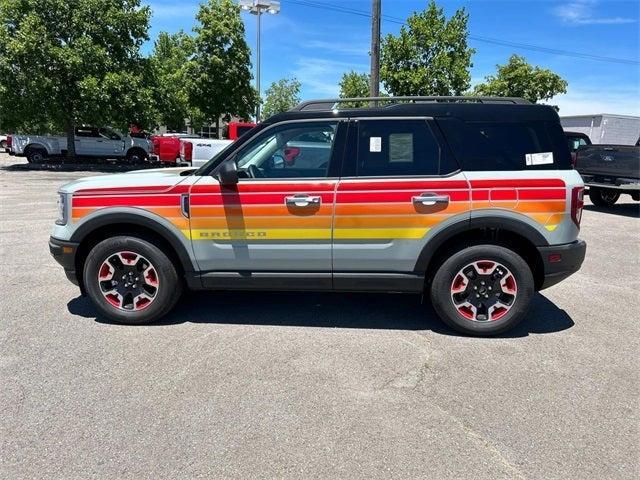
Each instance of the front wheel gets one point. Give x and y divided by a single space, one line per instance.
131 280
603 197
136 156
482 290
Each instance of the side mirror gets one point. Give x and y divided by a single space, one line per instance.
228 173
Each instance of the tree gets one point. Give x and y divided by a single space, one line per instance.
430 56
64 63
170 62
281 96
520 79
354 84
221 66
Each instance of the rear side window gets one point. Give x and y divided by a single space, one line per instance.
397 147
507 145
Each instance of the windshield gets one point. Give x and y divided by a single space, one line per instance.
222 154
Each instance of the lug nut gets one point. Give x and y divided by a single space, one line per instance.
475 287
490 288
482 282
477 295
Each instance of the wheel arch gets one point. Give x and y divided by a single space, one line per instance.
90 233
136 148
510 233
35 145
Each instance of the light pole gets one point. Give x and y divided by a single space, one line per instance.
257 8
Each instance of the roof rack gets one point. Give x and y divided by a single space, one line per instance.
332 103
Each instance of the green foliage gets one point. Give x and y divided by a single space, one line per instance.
354 84
221 68
281 96
170 63
430 56
520 79
67 62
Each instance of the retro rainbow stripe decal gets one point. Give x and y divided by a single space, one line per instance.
349 210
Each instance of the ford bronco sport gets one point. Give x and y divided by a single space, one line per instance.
470 200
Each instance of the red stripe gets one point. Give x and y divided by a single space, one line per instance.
510 194
402 185
268 187
128 201
540 182
391 197
244 199
546 194
133 190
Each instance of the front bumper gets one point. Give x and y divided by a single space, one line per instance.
561 261
65 254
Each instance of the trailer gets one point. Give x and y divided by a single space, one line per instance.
605 128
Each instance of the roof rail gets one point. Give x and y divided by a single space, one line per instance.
332 103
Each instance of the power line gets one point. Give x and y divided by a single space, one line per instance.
478 38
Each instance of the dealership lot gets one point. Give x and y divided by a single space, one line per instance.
284 385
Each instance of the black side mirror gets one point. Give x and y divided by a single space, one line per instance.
228 173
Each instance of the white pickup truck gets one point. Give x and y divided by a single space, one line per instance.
198 151
93 142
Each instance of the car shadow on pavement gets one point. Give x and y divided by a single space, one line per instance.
329 310
624 209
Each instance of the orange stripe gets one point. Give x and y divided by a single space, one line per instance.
241 223
399 209
259 210
396 221
79 212
524 206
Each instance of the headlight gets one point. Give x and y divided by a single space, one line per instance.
62 209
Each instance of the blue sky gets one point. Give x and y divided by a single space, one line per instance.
317 45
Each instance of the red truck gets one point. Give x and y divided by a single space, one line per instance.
166 147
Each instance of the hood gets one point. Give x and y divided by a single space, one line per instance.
151 181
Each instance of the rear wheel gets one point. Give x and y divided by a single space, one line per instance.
3 144
131 280
603 197
136 156
482 290
36 155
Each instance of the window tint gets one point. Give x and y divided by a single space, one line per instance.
397 147
295 150
505 145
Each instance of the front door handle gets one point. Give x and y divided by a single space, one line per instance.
302 200
429 199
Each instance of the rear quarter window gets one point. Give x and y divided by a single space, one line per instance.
494 146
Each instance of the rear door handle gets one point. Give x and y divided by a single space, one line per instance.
302 200
428 199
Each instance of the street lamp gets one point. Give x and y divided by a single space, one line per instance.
257 8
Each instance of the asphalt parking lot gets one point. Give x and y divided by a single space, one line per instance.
269 385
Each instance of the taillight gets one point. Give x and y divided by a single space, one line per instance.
186 151
577 202
156 146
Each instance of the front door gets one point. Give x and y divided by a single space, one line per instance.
277 220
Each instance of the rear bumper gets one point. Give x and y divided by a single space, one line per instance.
615 183
561 261
65 254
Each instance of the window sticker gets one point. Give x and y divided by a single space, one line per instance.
543 158
375 144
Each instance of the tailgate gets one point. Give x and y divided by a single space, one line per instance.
609 160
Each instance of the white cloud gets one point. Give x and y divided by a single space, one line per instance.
320 77
582 12
585 100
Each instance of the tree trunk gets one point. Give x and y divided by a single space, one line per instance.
71 141
218 127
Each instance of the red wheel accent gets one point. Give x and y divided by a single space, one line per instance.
483 291
128 281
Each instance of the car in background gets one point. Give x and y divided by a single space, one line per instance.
609 171
198 151
3 141
575 140
166 147
234 130
90 142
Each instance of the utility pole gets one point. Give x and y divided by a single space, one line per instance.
374 78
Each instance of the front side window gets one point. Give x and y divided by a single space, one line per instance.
397 147
295 150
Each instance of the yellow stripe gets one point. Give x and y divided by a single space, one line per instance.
379 233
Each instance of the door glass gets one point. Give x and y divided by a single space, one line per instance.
296 150
397 147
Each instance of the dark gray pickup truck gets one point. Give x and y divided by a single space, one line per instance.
609 171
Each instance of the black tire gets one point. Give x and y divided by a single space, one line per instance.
35 155
137 156
169 288
3 144
442 296
603 197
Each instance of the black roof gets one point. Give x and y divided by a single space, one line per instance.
469 111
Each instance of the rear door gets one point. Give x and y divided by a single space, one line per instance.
400 186
276 222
